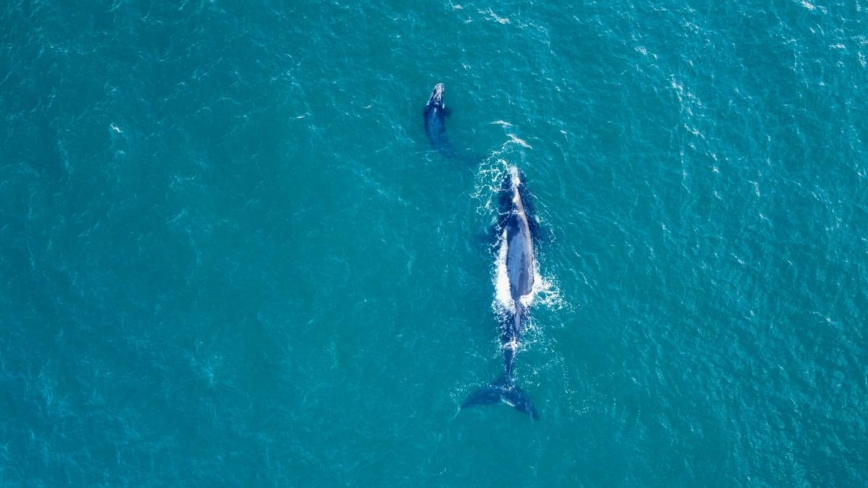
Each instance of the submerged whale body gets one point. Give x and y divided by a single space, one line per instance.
515 264
435 121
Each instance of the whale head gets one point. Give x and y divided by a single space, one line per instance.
436 95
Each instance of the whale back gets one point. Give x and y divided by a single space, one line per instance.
519 256
435 125
435 114
517 259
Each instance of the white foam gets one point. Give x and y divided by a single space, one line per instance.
502 296
513 138
487 185
546 292
495 17
516 182
492 171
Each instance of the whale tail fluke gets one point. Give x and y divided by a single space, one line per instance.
503 390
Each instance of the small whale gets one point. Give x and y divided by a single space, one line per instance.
435 121
515 265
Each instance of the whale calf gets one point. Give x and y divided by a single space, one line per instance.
435 121
515 265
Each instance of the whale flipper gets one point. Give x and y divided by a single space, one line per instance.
503 390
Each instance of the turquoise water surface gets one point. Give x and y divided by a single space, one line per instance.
230 257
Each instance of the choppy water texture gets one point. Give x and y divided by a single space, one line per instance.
229 256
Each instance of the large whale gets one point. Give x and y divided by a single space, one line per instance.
435 121
515 267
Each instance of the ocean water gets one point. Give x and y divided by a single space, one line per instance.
229 256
